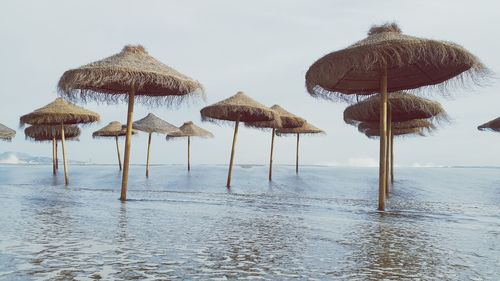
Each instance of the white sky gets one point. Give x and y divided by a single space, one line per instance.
260 47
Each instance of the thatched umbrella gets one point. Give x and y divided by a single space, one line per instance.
388 61
129 75
153 124
419 126
54 133
305 129
113 130
189 129
402 107
237 108
412 127
493 125
288 120
6 133
60 112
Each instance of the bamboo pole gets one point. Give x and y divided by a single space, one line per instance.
57 158
65 163
128 139
392 157
54 155
388 154
271 158
297 156
383 141
189 153
230 172
118 153
147 160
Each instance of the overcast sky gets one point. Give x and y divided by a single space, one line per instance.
260 47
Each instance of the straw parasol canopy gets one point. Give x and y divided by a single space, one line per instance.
113 129
189 129
51 132
110 79
129 75
423 124
493 125
306 129
6 133
239 108
403 118
153 124
411 63
60 112
403 107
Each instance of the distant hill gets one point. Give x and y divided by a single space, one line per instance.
19 158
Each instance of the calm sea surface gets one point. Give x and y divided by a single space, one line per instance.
441 224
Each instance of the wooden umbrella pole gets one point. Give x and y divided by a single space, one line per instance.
57 158
297 156
230 172
65 163
54 155
388 162
271 157
392 157
128 140
118 153
383 141
189 153
147 160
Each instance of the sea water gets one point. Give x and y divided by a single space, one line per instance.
440 224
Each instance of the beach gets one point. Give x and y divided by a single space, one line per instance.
249 140
440 224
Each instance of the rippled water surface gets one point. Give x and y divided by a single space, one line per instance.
441 224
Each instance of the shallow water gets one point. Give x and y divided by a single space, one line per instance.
440 224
